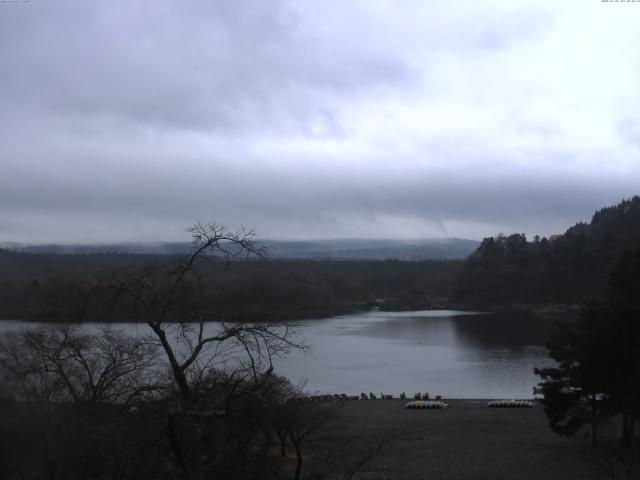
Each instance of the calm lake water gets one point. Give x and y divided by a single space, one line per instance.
450 353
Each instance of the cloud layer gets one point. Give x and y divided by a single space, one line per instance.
130 120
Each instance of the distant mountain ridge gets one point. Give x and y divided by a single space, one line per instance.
408 250
449 248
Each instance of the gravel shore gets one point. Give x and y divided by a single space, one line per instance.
467 441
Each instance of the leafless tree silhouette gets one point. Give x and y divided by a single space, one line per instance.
196 351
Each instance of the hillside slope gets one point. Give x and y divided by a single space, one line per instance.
569 269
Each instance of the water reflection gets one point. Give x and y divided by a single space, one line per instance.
455 354
513 329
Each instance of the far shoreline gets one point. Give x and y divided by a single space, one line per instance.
542 311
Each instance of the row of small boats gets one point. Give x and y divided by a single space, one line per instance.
429 404
433 404
510 404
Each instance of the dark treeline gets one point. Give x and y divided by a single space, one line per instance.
185 401
105 405
505 270
66 287
575 266
594 385
79 406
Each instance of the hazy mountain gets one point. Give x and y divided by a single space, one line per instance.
449 248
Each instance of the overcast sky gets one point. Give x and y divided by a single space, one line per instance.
129 120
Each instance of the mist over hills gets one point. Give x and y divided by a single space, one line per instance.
346 249
449 248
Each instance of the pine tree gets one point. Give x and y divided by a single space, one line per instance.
597 375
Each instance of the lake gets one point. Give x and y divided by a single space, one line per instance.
444 352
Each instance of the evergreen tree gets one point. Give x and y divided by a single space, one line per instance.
574 390
562 269
597 375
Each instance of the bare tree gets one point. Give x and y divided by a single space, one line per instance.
616 459
169 302
324 448
346 456
65 387
60 363
310 424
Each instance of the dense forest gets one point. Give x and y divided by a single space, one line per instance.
503 271
593 386
67 287
563 269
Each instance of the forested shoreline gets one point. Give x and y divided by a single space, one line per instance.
563 269
504 272
50 287
201 417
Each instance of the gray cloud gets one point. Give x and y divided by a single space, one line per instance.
200 65
128 121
